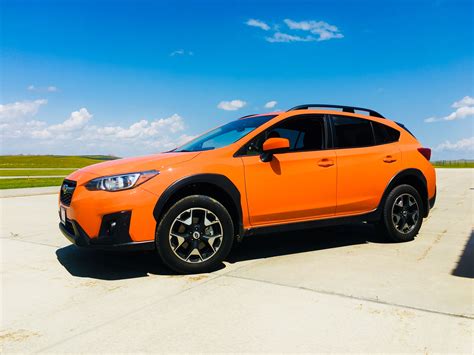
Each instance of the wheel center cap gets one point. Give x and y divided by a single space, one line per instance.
196 235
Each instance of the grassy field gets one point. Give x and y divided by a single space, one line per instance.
36 172
51 161
42 165
454 164
35 182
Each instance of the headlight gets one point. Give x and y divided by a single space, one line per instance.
121 182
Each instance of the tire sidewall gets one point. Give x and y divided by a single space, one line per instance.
162 234
393 233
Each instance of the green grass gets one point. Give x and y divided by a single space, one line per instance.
35 182
51 161
31 165
454 164
26 172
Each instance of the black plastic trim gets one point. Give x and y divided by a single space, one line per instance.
218 180
80 239
247 116
349 109
335 221
432 200
119 234
67 191
395 181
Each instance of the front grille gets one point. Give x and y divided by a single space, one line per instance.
67 189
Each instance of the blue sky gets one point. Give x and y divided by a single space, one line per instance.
137 77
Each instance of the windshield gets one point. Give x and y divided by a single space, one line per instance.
224 135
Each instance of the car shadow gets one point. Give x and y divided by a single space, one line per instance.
465 265
294 242
121 265
105 265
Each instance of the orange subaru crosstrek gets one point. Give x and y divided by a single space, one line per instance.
314 165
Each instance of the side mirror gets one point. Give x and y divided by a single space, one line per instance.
273 146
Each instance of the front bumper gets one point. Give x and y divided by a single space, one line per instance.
90 210
116 240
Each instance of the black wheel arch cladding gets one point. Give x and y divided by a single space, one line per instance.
412 177
216 186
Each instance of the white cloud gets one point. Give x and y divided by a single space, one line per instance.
270 104
18 110
181 52
75 123
465 144
50 88
257 23
77 120
316 31
140 129
232 105
465 101
464 108
79 135
285 38
324 30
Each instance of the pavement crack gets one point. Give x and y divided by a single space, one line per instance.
139 309
366 299
436 241
30 242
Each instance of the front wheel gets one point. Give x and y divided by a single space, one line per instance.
195 235
402 214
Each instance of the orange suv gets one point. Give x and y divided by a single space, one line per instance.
314 165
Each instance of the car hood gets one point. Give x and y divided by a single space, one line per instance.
130 165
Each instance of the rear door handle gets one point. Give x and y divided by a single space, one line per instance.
389 159
325 163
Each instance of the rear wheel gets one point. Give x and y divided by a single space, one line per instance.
402 214
195 235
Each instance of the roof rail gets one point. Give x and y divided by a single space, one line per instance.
350 109
253 114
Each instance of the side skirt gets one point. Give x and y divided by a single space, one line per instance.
280 228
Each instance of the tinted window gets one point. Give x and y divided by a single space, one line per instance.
304 133
406 129
352 132
224 135
385 134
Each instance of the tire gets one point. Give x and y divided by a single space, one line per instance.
401 223
195 235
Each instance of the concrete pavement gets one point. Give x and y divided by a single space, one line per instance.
33 191
338 289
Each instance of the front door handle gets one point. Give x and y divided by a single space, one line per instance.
325 163
389 159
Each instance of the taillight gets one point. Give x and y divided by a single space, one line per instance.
426 152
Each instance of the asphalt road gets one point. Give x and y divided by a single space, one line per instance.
338 289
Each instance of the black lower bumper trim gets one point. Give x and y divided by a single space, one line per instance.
83 241
432 200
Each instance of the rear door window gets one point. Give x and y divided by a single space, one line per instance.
351 132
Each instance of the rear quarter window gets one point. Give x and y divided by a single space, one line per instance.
384 134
